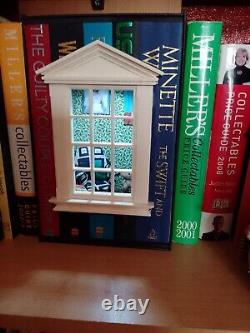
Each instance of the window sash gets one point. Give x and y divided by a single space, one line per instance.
61 120
92 117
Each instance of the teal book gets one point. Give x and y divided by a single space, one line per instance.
200 76
102 31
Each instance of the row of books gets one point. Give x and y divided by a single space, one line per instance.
176 184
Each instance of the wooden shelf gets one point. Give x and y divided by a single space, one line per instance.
59 287
73 7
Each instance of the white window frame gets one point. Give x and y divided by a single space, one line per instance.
66 198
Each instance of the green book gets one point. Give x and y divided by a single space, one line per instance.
200 75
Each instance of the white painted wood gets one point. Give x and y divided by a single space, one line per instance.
143 123
99 66
60 102
103 207
99 62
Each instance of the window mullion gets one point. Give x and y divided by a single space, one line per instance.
112 111
92 155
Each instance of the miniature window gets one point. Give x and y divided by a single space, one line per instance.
101 107
102 140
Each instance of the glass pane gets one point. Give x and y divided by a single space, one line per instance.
102 130
102 182
123 131
81 129
124 102
102 157
80 102
123 182
123 157
82 156
101 102
82 181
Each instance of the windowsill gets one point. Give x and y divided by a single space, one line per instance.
102 207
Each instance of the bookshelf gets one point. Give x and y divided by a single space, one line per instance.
59 287
47 287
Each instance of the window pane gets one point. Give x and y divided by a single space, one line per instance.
82 181
80 102
123 131
82 156
123 182
123 157
102 182
102 157
102 130
81 129
101 102
124 102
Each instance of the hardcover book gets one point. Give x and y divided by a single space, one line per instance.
200 75
17 115
37 45
228 142
156 46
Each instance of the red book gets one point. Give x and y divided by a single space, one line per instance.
228 142
38 54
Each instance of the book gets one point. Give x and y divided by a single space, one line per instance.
102 31
156 46
66 36
228 142
124 36
200 75
17 115
37 45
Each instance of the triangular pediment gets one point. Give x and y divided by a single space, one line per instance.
99 63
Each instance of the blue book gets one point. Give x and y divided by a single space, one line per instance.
102 31
101 226
160 44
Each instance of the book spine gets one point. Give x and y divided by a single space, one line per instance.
65 36
102 31
228 141
163 51
17 115
4 205
124 36
37 45
200 75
